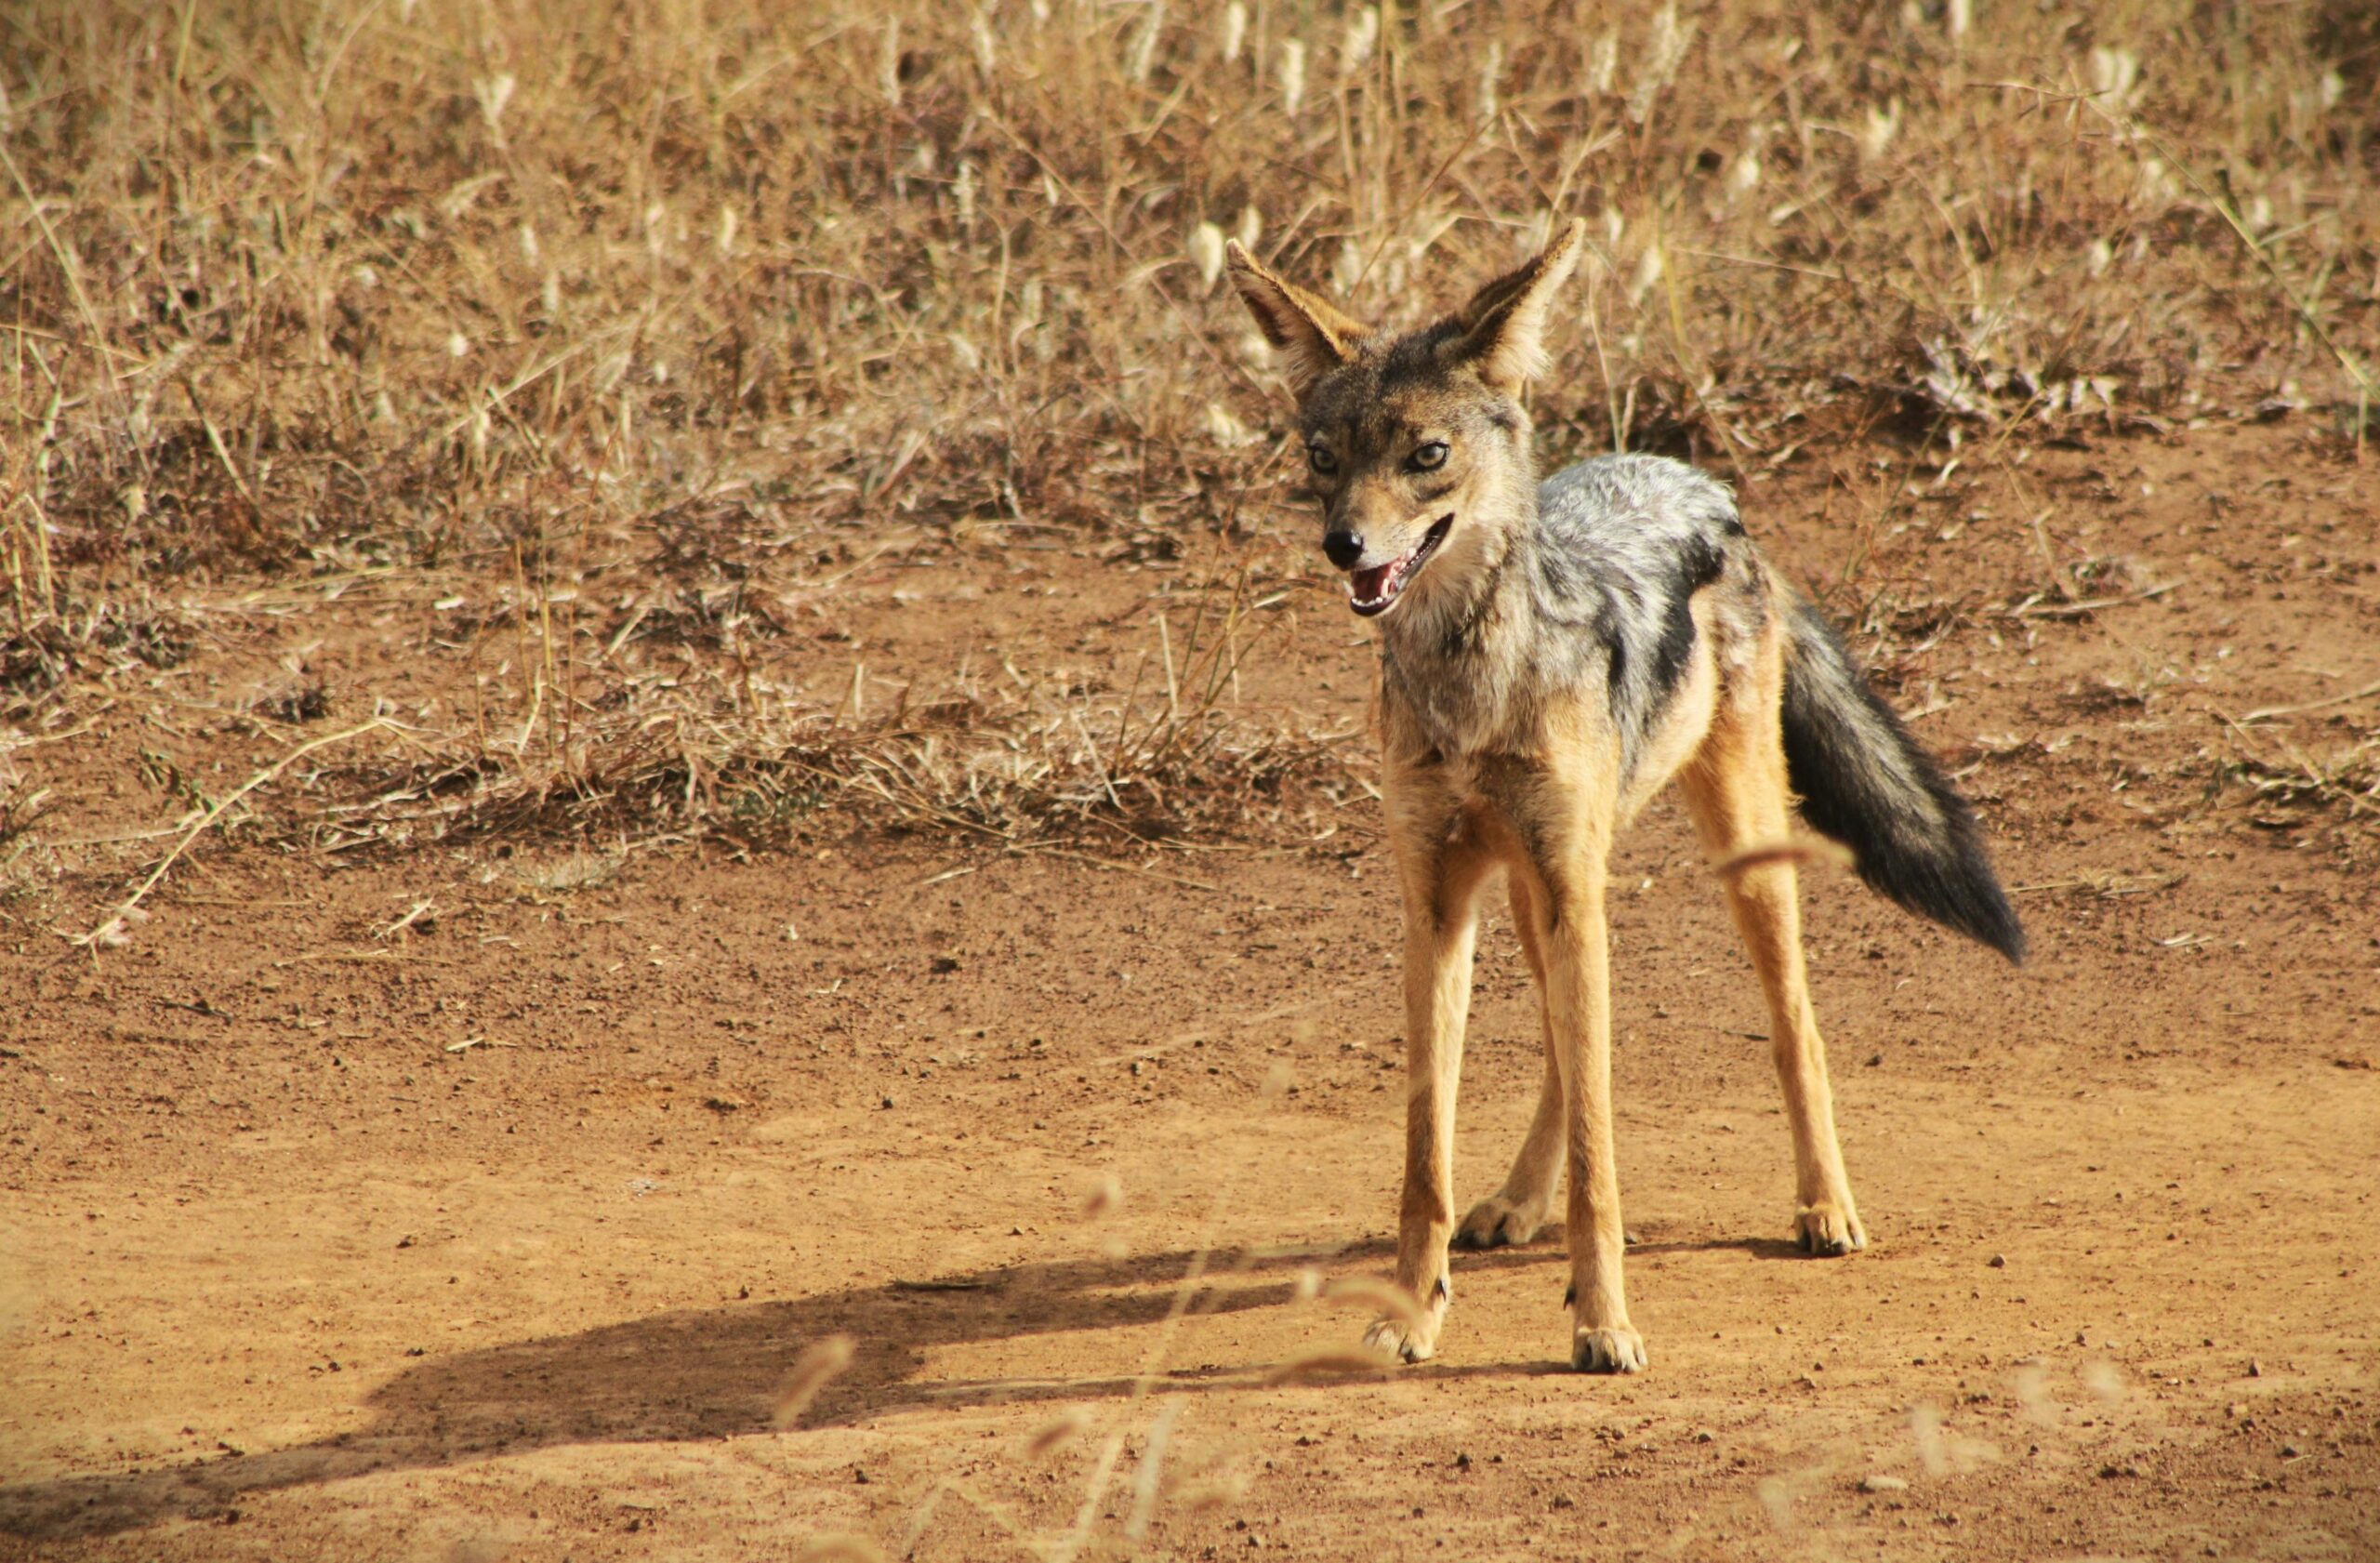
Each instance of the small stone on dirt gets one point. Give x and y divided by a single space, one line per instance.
1881 1483
1999 1261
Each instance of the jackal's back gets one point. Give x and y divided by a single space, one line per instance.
1621 546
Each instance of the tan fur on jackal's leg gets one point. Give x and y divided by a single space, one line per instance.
1735 790
1578 971
1564 825
1441 866
1515 1213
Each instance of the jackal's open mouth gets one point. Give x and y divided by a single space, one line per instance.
1372 591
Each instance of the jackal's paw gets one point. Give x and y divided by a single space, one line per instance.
1619 1350
1497 1221
1828 1229
1406 1339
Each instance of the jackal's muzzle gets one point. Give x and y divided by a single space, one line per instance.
1375 591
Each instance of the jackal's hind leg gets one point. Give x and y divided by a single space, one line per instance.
1735 790
1516 1212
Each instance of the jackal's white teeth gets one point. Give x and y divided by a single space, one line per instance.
1373 588
1370 592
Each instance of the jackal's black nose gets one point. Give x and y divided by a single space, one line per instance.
1344 548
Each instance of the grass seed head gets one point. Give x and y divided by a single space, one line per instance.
1105 1197
1207 253
1357 43
1802 850
1292 76
841 1549
1340 1363
1384 1298
1061 1429
820 1361
1213 1490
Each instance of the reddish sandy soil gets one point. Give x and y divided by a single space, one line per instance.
289 1275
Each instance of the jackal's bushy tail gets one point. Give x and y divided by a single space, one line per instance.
1864 781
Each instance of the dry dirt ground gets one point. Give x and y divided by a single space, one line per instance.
496 1236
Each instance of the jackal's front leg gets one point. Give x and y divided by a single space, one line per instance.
1578 959
1515 1213
1441 919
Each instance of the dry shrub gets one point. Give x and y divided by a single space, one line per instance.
379 277
997 765
346 288
693 725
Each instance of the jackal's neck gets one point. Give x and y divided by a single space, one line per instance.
1479 595
1457 668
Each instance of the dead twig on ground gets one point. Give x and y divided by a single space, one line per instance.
2268 713
111 929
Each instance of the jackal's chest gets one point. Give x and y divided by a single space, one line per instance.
1471 760
1459 708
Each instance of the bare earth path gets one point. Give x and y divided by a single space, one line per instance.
496 1237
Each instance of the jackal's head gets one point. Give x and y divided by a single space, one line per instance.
1418 445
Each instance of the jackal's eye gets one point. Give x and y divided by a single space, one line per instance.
1429 458
1320 459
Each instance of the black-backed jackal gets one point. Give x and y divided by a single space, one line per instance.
1551 655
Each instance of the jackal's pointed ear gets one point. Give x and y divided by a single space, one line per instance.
1502 329
1314 338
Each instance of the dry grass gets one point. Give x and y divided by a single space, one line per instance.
675 736
557 298
630 330
2291 784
